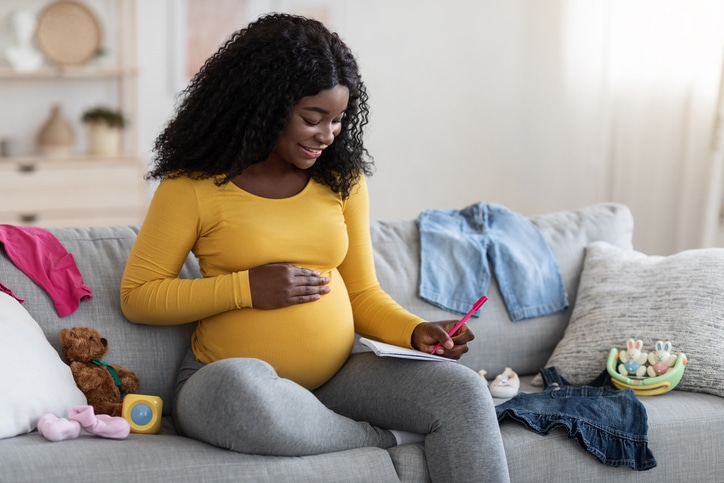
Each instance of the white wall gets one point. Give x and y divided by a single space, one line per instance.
460 112
156 96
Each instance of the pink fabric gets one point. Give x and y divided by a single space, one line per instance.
40 255
100 424
53 428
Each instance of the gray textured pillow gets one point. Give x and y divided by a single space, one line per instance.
629 295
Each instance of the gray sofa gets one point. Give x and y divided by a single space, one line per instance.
686 429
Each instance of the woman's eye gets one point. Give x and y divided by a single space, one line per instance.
310 122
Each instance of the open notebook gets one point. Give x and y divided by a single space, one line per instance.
389 350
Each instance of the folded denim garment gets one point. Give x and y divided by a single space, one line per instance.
458 248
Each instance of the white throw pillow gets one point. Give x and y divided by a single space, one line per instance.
34 380
625 294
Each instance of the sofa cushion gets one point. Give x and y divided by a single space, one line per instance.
526 345
33 378
161 457
152 352
629 295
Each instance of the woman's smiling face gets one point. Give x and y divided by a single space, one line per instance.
315 122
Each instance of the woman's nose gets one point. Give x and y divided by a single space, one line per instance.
326 135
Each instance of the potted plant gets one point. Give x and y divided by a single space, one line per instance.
104 127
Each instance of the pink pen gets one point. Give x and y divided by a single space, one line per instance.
477 305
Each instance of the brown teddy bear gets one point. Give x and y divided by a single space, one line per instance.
103 384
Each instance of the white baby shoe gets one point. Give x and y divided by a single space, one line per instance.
505 385
483 373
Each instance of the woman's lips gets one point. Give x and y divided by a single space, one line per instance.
312 152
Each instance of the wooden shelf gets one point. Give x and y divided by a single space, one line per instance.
85 72
18 162
76 189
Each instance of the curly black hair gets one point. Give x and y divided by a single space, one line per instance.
235 109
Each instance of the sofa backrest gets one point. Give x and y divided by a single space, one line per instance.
100 253
526 345
154 353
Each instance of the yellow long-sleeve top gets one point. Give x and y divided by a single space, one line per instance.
232 231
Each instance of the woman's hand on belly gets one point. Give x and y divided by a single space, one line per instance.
278 285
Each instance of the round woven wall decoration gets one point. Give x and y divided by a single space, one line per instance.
68 33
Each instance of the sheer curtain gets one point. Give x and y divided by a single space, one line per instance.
643 88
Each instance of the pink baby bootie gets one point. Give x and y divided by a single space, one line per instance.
101 425
53 428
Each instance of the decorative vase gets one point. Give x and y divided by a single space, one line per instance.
56 136
23 57
103 140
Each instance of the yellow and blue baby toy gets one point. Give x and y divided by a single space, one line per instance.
143 413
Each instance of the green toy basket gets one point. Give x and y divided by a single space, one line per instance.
646 386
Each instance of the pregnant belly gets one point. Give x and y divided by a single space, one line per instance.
306 343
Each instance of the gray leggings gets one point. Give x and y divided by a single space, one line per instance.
242 405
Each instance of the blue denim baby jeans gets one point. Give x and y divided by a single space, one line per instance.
456 246
610 424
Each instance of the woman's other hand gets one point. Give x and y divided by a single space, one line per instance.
279 285
426 336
